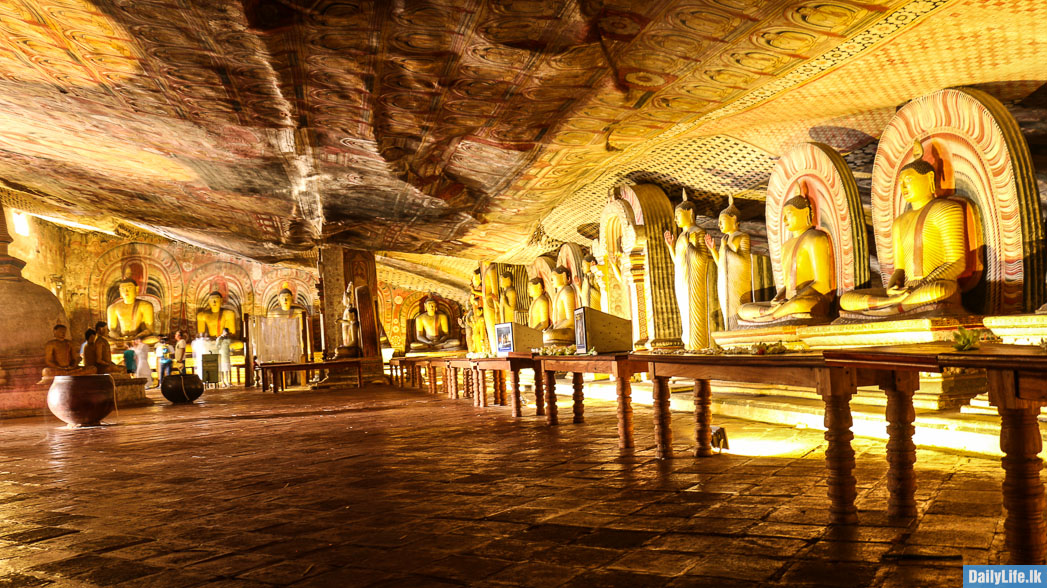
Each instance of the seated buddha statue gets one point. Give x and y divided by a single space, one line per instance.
808 273
538 312
432 331
211 319
103 354
507 298
930 243
61 357
130 316
561 331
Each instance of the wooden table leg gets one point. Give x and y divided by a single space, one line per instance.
498 379
431 372
467 381
703 418
454 383
663 432
265 380
836 386
901 451
476 386
482 381
1023 495
539 393
625 411
514 384
550 398
578 397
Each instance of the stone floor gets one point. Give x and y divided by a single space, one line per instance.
387 487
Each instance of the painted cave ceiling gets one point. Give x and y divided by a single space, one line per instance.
461 128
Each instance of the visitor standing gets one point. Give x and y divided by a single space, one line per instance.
164 359
225 368
130 362
179 352
142 369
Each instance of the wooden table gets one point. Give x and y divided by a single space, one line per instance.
619 365
1017 379
396 370
834 385
274 369
511 364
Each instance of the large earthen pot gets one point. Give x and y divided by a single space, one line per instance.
182 388
82 400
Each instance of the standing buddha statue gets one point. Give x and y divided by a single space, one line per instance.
561 332
538 311
508 298
691 260
733 265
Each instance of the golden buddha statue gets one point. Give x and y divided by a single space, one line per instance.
808 272
211 319
733 265
538 312
61 358
481 343
590 282
930 243
130 316
285 304
508 298
432 330
691 259
561 331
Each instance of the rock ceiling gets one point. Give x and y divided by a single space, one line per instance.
461 128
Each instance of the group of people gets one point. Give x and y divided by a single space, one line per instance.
95 355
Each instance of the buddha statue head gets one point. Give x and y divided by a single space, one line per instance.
684 213
587 264
535 288
561 276
430 306
285 297
797 214
128 289
505 280
916 178
214 301
477 279
728 221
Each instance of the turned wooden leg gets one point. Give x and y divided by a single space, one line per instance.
454 382
550 398
703 418
578 396
514 383
499 387
625 411
663 433
836 390
481 376
901 451
433 388
1023 495
467 381
539 393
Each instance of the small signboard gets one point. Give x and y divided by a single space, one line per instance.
209 368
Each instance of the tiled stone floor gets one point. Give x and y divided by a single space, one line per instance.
386 487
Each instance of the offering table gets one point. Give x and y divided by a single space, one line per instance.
835 385
511 364
619 365
1017 382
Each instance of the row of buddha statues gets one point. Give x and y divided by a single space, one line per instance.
931 245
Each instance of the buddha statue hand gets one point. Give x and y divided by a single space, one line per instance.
670 240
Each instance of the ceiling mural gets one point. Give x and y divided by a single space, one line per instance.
442 132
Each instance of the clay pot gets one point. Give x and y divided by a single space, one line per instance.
82 400
182 388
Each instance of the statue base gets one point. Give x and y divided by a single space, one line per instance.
786 334
558 337
1019 329
885 332
951 389
795 320
927 311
